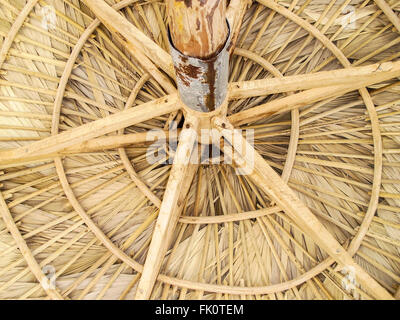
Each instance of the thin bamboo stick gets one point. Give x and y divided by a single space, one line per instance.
322 79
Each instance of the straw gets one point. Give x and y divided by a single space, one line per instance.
62 69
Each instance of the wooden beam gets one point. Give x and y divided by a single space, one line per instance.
198 27
52 146
370 74
288 103
133 39
387 10
171 207
61 141
272 184
113 142
98 145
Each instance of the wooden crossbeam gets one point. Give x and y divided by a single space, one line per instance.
337 85
113 142
288 103
272 184
76 136
370 74
118 24
146 52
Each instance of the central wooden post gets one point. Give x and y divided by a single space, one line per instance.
198 27
199 41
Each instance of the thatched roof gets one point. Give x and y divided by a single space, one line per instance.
83 206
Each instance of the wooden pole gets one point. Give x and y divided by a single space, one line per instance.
255 167
386 8
198 27
397 294
146 51
199 44
177 187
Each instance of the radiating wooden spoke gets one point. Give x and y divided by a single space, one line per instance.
364 76
110 142
134 39
228 239
288 103
172 204
123 119
270 182
235 13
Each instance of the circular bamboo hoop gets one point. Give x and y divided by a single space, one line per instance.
88 214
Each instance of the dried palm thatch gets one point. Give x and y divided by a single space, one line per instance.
79 199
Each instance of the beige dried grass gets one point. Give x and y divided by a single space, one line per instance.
332 172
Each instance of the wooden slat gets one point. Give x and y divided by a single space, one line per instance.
360 78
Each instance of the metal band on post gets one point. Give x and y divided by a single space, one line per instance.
202 82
